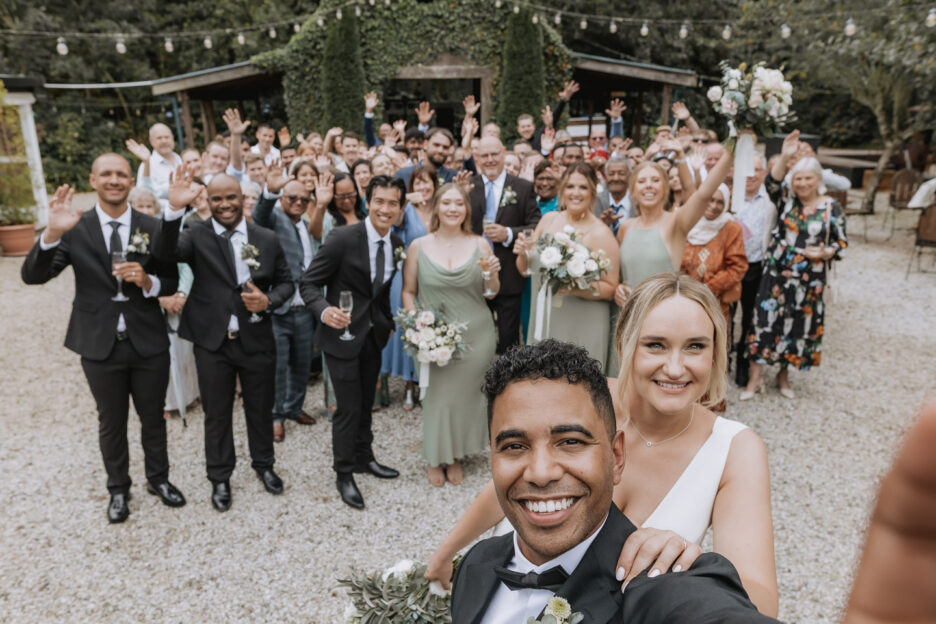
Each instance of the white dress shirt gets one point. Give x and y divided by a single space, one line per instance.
272 155
123 231
238 240
509 606
498 183
753 215
372 237
161 169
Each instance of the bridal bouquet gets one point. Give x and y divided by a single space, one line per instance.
758 98
430 340
567 263
400 594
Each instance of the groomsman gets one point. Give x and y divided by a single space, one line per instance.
509 205
240 273
359 258
123 345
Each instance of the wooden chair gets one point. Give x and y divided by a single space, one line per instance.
925 237
905 184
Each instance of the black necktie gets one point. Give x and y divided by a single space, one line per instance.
115 244
228 234
379 269
551 579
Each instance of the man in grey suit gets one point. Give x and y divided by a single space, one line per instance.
614 203
293 323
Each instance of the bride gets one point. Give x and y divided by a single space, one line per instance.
687 468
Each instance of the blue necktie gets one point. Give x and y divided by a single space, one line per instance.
490 208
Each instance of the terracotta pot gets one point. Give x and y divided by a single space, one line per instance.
17 240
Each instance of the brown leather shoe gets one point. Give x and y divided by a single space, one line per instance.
279 431
305 419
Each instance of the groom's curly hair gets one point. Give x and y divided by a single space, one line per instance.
552 360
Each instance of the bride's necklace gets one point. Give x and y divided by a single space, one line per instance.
685 429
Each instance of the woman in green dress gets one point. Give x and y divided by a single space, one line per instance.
443 272
577 316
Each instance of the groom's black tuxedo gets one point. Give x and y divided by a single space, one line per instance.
136 362
709 592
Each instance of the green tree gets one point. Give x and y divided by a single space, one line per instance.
343 74
522 88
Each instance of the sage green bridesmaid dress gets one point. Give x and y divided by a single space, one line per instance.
455 410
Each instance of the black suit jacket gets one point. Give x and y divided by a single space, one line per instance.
709 592
215 293
521 213
92 328
343 263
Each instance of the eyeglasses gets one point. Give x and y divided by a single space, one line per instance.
296 199
345 196
598 138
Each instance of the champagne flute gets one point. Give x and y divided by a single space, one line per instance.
527 234
486 276
346 304
254 317
484 223
118 258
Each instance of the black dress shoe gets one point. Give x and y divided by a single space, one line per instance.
349 492
221 495
272 483
167 493
378 470
117 510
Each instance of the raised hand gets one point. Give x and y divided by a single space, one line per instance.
235 124
61 216
463 179
673 145
790 145
424 113
283 136
183 190
615 109
275 180
471 107
548 139
469 128
324 188
547 116
370 102
570 89
680 111
138 149
400 126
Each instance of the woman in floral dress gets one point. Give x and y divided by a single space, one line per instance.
789 309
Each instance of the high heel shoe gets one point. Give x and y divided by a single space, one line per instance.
747 395
787 392
408 401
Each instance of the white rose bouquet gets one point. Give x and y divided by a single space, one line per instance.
400 593
430 339
758 98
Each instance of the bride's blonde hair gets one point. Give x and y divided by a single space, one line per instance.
650 293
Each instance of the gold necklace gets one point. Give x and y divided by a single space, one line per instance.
652 444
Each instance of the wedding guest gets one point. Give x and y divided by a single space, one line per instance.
264 147
501 206
713 153
251 192
546 186
512 164
678 193
413 142
162 162
256 169
544 400
123 345
192 160
240 272
635 156
350 149
439 145
416 222
444 272
571 153
614 203
381 164
288 153
337 203
362 173
790 307
581 316
144 200
714 252
354 362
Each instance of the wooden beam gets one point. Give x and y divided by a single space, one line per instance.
486 85
640 73
210 114
205 80
422 72
187 120
665 98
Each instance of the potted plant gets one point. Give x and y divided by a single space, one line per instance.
17 205
17 226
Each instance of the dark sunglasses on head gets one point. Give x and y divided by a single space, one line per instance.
295 198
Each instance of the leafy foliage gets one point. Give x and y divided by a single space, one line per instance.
16 194
343 74
400 594
523 74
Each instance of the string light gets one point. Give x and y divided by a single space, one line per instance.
850 27
241 39
272 33
497 4
372 2
583 24
558 19
931 18
320 21
61 47
207 42
726 32
535 18
644 31
613 27
357 11
121 47
684 30
297 27
785 31
168 45
387 2
516 8
338 14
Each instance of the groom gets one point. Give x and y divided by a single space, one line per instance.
555 458
361 259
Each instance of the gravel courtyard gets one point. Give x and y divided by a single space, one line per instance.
276 559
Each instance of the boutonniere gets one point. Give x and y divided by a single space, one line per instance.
399 255
558 611
139 243
249 255
508 197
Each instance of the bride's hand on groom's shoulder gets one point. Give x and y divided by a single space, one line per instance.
655 550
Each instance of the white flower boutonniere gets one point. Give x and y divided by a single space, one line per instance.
558 611
399 256
139 243
508 197
249 255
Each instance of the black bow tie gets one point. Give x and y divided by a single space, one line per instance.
551 579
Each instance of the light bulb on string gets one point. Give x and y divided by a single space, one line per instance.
535 18
516 8
296 27
272 33
357 11
684 30
338 14
726 32
386 2
497 4
241 39
61 47
785 31
372 2
931 18
583 24
850 27
558 19
121 47
644 30
207 42
612 28
320 21
167 44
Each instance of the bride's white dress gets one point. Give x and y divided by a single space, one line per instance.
687 507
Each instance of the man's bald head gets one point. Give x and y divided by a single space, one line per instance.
490 156
225 200
111 178
160 137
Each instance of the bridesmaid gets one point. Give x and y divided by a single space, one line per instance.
577 316
443 271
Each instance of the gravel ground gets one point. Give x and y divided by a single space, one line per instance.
275 559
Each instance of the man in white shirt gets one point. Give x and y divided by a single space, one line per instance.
162 161
264 146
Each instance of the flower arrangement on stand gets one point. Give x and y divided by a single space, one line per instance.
400 594
430 340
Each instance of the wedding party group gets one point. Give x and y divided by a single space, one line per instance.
564 305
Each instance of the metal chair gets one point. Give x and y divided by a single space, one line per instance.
905 184
925 237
